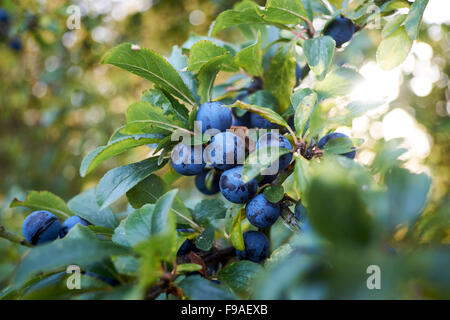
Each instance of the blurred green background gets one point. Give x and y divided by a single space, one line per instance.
57 102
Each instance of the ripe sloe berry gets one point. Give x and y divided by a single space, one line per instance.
187 160
70 223
213 115
226 151
341 30
256 247
200 183
41 227
234 189
262 213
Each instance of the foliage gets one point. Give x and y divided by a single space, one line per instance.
358 215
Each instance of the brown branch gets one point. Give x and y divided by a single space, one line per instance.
165 283
220 255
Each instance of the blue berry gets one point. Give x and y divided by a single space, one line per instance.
200 183
70 223
272 139
255 85
15 44
187 246
262 213
257 121
4 16
226 151
341 30
213 115
334 135
234 189
256 247
187 160
40 227
298 74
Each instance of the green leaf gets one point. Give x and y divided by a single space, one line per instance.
169 105
260 160
317 6
151 66
157 98
127 265
116 147
198 288
82 250
303 112
241 275
207 76
393 25
137 226
204 51
145 111
285 11
177 59
298 96
339 82
394 5
266 113
335 207
360 107
319 54
150 190
160 218
279 79
387 154
236 235
188 267
147 191
394 49
118 181
338 146
414 18
85 206
44 200
209 210
407 194
119 236
263 98
234 17
205 240
302 178
274 193
250 58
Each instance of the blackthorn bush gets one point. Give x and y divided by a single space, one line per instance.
173 247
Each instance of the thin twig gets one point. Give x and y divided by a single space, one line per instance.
12 237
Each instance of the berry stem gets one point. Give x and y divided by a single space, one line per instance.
12 237
192 223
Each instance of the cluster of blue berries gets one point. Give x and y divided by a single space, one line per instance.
220 167
43 226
